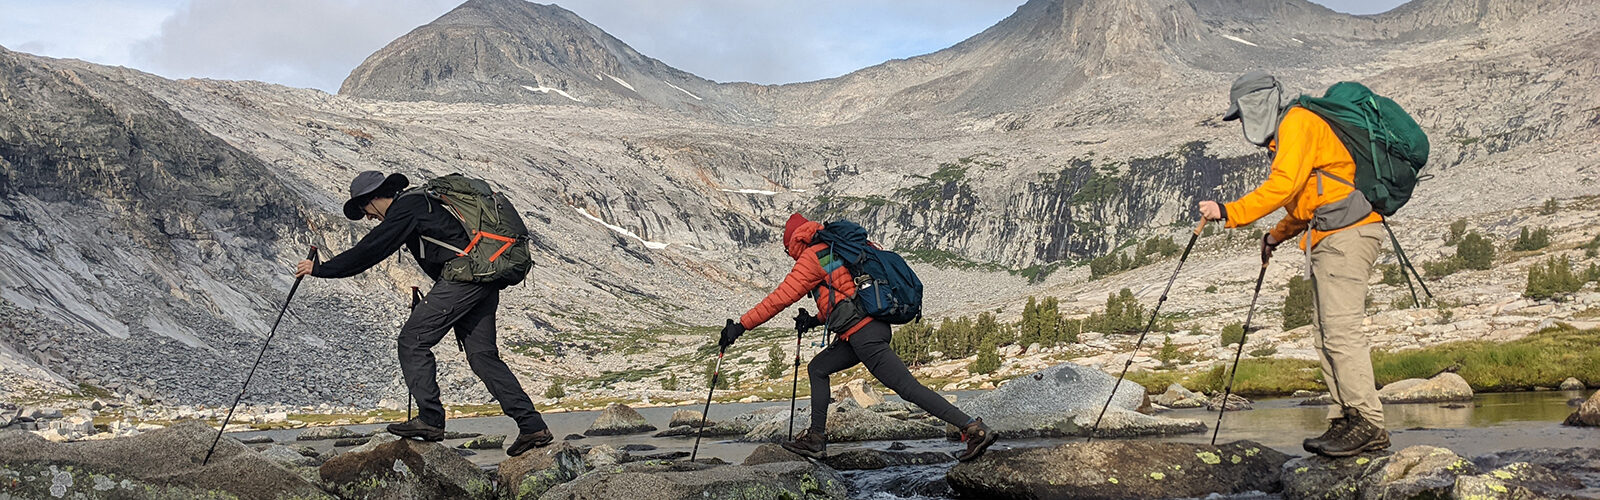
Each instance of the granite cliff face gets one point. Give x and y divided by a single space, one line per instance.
149 223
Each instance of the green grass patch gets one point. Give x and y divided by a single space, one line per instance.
1542 359
1257 377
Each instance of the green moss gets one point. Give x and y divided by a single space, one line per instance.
1157 476
1363 461
1113 481
1209 458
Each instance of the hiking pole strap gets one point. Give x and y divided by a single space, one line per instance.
312 256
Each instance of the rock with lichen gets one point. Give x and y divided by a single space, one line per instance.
1120 469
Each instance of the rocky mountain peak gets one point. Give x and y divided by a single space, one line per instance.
514 51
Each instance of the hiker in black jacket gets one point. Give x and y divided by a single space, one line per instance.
468 308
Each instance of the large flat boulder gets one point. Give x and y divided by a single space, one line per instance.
692 480
533 473
1120 469
1442 388
1064 400
167 457
618 419
1178 397
1516 481
847 422
871 459
406 469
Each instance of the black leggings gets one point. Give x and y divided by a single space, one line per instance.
870 346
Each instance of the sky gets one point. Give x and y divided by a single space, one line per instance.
315 43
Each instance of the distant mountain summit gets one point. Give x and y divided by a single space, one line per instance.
513 51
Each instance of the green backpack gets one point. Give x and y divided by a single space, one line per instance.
1389 148
498 251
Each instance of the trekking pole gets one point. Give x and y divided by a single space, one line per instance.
312 257
1228 392
702 430
416 298
794 391
1154 313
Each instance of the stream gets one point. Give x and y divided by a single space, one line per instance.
1493 422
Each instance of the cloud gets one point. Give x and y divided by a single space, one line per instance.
300 43
316 43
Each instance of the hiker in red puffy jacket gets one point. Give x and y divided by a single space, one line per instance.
862 340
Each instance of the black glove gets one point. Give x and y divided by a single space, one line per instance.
1267 246
804 321
730 333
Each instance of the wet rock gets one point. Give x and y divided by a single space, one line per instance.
533 473
573 437
631 448
1580 462
1302 393
256 440
485 443
1235 403
846 422
686 417
859 391
1415 472
376 440
41 480
1120 469
870 459
1572 384
406 469
285 455
771 453
1178 397
1588 414
344 443
694 480
1064 400
603 455
618 419
1515 481
460 435
321 433
169 457
1444 387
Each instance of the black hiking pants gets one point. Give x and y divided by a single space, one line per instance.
468 309
870 346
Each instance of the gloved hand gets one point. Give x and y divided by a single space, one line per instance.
730 333
804 321
1268 245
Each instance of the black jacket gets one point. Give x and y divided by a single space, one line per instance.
409 218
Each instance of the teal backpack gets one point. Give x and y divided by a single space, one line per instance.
1389 148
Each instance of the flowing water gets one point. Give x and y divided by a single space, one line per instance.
1492 422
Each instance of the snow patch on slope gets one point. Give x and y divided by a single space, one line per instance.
680 89
1240 40
547 90
653 245
749 191
619 80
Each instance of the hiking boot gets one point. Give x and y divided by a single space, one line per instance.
1335 428
808 444
417 429
978 438
1360 436
530 440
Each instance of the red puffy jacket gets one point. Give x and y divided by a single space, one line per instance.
806 277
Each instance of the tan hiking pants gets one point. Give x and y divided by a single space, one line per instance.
1340 266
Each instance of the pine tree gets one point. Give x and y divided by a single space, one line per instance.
1297 307
1475 252
777 363
988 358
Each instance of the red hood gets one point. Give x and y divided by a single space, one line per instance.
801 239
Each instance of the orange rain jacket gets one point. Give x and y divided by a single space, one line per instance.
811 263
1305 144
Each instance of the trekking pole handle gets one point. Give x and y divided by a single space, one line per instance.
1202 227
313 255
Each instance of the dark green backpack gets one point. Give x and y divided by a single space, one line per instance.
498 251
1389 148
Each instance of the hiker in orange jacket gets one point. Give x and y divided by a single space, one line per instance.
865 340
1312 179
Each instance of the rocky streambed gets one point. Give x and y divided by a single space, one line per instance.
1499 445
